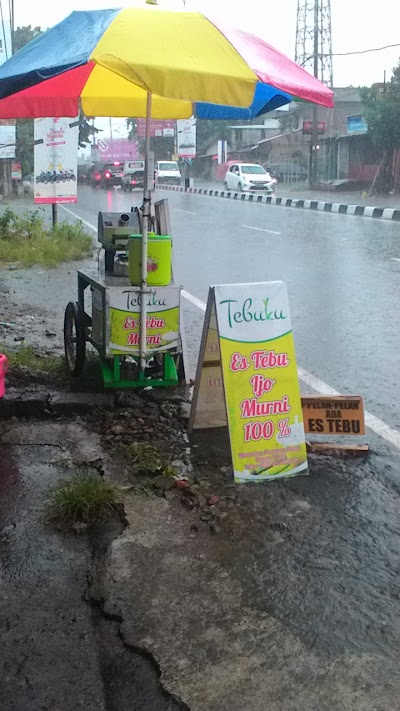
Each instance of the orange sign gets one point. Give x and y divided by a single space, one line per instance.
341 415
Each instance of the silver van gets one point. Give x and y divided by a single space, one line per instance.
133 176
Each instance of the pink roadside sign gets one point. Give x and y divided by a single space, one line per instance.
56 157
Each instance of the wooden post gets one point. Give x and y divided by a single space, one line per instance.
54 214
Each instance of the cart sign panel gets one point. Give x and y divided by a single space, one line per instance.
162 306
261 385
56 156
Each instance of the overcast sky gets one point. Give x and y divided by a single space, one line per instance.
356 25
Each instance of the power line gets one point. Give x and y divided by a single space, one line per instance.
365 51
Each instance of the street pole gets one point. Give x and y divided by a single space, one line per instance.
12 23
111 139
314 134
54 214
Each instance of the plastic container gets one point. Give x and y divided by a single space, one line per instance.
159 254
3 371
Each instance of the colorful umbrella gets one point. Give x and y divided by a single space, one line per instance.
110 59
153 63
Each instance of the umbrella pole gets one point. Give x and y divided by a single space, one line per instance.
145 232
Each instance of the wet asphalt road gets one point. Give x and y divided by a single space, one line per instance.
342 273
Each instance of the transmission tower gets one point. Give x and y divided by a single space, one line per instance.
314 38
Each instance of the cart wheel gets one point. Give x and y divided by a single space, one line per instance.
74 338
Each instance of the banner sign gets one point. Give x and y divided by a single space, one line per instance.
7 138
308 127
16 172
356 124
56 157
186 130
162 321
340 415
166 129
255 362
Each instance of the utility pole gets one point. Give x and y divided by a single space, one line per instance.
306 27
111 138
314 53
314 136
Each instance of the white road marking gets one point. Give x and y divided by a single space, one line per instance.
374 423
187 212
394 259
261 229
77 217
194 300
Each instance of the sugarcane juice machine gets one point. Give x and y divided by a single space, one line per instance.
112 325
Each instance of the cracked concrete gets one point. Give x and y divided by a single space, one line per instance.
59 652
294 607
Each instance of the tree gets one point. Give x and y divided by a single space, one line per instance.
86 129
24 127
24 145
382 114
131 124
206 129
23 35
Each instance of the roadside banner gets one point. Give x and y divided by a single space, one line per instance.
7 138
16 171
56 157
333 415
247 378
158 128
186 130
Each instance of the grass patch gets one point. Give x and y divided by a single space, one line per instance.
27 357
147 459
27 241
86 498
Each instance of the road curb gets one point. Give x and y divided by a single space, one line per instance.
383 213
38 402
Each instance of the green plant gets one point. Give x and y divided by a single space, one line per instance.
147 459
27 241
86 498
26 356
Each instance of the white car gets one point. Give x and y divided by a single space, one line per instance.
249 176
167 172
